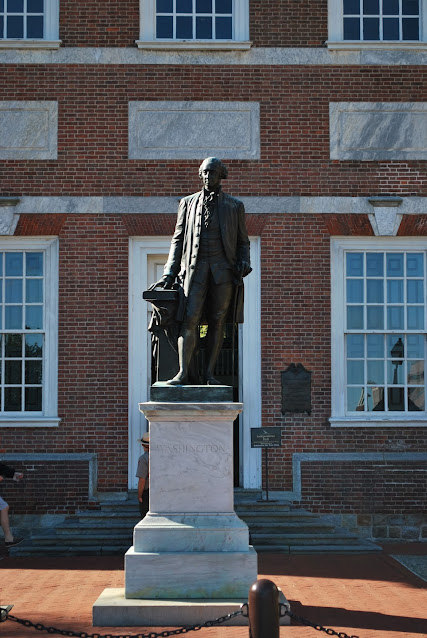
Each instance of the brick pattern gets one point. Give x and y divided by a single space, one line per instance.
54 487
93 129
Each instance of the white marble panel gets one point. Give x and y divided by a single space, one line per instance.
378 130
191 466
189 575
28 130
191 533
194 130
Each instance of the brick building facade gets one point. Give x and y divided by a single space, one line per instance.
105 115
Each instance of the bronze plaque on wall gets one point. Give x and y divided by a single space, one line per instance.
296 389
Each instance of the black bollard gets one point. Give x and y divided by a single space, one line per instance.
263 609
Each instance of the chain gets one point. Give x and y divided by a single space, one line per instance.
284 611
151 634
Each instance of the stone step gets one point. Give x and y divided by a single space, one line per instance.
360 548
301 539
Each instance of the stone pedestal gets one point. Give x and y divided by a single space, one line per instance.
191 546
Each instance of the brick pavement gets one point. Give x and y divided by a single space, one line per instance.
370 596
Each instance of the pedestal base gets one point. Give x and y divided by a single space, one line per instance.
112 609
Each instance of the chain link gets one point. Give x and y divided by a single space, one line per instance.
151 634
284 611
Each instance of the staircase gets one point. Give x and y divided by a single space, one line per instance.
273 527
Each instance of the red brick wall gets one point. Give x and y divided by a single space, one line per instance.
93 129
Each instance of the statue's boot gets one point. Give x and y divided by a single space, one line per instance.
186 346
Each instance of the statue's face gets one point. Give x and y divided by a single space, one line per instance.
211 176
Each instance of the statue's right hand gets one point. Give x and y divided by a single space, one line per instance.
165 282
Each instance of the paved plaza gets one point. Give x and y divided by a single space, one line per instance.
370 596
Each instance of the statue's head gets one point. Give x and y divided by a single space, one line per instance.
214 162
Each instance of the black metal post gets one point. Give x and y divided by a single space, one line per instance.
263 610
266 473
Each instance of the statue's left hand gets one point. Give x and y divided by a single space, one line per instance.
243 268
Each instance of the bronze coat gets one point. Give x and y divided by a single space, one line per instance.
184 248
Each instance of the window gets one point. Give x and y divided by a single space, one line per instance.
28 332
379 328
29 23
382 23
194 24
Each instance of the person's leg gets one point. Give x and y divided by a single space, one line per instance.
4 521
219 300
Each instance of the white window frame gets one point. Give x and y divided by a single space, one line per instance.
51 32
336 34
339 245
148 30
49 416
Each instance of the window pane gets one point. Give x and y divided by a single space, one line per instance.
2 27
355 347
34 345
184 27
395 372
391 7
395 346
375 399
371 29
376 372
34 290
395 290
355 399
396 399
13 317
34 26
184 6
375 317
355 290
35 6
164 27
375 346
34 264
33 399
410 29
415 346
13 372
223 6
371 7
33 317
203 6
391 29
416 372
15 6
15 27
14 265
410 7
33 372
395 318
223 29
416 399
204 28
352 7
355 317
415 317
13 346
351 29
415 291
2 5
164 6
395 265
375 264
415 265
355 372
354 264
12 399
13 291
375 290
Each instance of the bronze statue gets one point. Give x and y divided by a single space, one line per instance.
209 256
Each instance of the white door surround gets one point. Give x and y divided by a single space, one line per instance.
145 254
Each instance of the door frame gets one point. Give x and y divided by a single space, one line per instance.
140 249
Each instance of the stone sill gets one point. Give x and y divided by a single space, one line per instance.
393 45
386 422
177 45
29 422
30 44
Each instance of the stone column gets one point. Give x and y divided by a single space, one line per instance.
191 544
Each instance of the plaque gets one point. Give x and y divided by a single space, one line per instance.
266 437
296 389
